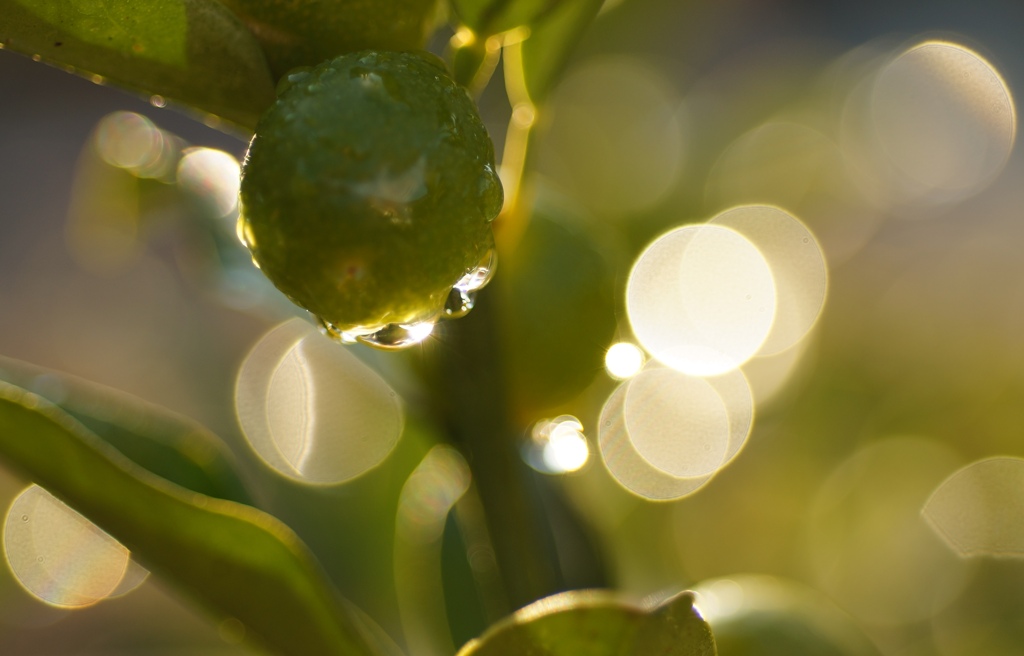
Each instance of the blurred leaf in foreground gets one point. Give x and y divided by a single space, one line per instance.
166 444
596 624
193 52
242 564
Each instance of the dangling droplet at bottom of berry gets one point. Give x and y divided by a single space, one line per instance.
458 304
392 336
462 297
396 336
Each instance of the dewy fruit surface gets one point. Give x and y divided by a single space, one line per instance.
368 190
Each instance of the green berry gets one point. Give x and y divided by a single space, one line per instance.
368 190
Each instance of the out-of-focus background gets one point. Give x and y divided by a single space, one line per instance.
886 128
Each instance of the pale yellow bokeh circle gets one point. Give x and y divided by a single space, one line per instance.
58 555
979 509
701 299
646 410
870 547
616 139
312 410
797 265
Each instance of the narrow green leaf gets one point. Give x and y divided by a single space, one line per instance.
596 624
193 52
543 55
489 17
166 444
312 31
236 560
560 272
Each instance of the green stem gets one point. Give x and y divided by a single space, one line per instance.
469 391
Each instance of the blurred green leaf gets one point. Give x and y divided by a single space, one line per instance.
776 617
595 624
193 52
166 444
236 560
543 55
307 33
558 308
488 17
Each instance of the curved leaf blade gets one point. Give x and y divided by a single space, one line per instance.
489 17
554 351
193 52
236 560
164 443
596 624
536 62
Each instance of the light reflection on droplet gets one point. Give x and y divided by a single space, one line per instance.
979 510
59 556
870 548
935 125
314 411
623 360
632 470
478 277
701 299
130 141
615 136
557 446
213 175
458 304
797 266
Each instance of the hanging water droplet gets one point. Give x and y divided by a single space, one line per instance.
395 336
391 337
339 335
459 303
479 277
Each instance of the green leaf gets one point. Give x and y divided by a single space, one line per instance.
489 17
596 624
166 444
307 33
558 308
238 561
193 52
537 62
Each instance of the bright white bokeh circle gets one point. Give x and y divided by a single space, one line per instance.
701 299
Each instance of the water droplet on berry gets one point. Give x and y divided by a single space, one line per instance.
395 336
458 304
479 277
391 337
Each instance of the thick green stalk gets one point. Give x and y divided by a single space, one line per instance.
469 393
